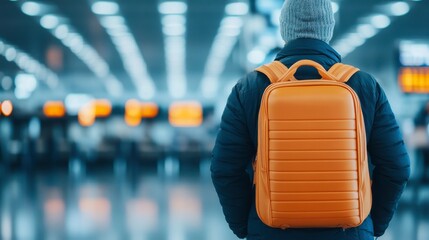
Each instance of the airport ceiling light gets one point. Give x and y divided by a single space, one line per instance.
111 19
380 21
49 21
335 7
58 25
237 8
275 17
6 83
370 25
173 7
225 40
366 30
105 8
256 56
28 64
32 8
173 20
25 84
398 8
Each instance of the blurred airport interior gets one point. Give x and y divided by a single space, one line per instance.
109 108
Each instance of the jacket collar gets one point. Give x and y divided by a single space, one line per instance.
306 47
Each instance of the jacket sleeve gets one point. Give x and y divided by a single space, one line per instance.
390 159
231 155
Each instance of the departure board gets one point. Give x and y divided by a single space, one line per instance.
413 74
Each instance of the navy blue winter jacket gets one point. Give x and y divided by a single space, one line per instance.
236 146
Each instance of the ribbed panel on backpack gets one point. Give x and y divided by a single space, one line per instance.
313 165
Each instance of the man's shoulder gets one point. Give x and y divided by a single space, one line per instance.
363 79
364 75
252 83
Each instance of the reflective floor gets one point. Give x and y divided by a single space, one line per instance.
121 202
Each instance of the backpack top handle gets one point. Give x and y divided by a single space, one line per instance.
278 72
294 68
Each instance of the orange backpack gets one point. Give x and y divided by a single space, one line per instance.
311 169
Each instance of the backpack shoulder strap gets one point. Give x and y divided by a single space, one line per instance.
343 72
274 71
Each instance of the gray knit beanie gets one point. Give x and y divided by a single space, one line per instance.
307 19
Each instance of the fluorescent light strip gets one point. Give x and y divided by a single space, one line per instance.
370 26
225 40
173 21
75 42
28 64
109 15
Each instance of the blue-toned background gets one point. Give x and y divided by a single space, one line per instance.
109 109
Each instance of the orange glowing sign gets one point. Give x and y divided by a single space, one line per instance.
6 108
102 108
86 116
132 108
133 113
54 109
414 79
149 110
132 121
186 114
